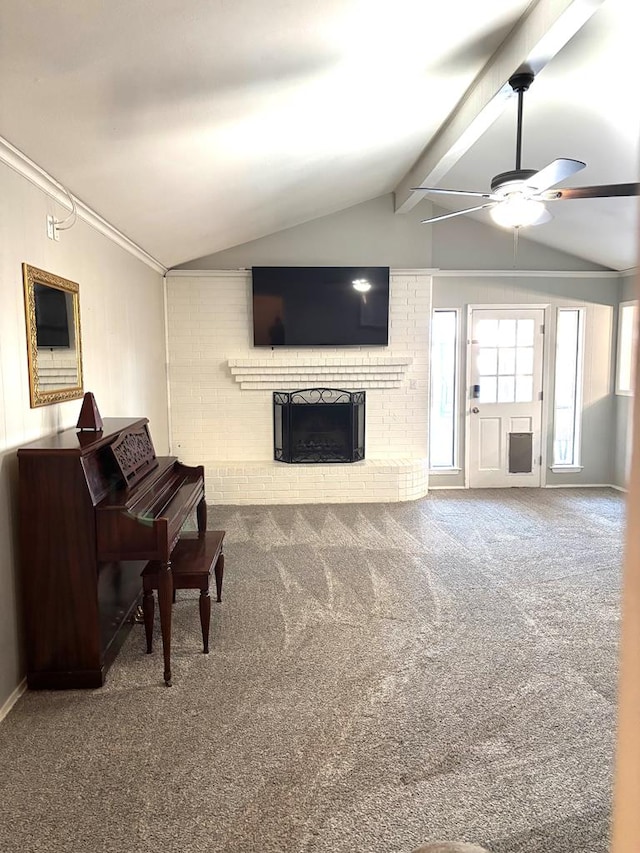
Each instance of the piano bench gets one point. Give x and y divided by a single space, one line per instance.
193 559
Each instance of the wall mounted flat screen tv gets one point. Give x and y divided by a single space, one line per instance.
320 306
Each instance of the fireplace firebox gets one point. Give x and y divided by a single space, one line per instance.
318 425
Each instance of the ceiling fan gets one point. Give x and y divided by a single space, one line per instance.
517 197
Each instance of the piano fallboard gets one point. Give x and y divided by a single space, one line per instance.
144 523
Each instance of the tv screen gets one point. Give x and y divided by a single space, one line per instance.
320 306
52 324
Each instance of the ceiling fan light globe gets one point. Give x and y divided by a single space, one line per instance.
518 212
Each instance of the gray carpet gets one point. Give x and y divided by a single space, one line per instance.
380 676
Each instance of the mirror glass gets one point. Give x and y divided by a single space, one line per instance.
53 337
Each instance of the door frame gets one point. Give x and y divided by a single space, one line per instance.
548 340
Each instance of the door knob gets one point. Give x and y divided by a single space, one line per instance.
475 410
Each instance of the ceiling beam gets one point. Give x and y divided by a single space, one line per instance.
539 35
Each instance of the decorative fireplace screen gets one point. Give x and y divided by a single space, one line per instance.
318 425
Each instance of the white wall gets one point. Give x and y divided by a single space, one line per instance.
469 243
599 297
121 308
216 420
371 233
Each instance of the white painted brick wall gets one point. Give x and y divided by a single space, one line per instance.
57 368
225 422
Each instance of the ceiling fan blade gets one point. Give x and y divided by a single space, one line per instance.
452 192
457 213
603 191
558 170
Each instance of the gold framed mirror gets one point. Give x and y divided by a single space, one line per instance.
54 346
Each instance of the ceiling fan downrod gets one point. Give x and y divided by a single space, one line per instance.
519 83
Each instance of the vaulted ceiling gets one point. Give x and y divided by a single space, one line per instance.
198 125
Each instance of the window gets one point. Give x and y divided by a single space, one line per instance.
505 360
627 334
443 414
568 389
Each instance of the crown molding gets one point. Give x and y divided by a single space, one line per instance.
180 273
242 273
20 163
413 271
528 273
436 273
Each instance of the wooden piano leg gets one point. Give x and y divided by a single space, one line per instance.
205 616
219 573
201 513
165 595
148 608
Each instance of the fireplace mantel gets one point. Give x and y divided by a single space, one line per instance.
287 372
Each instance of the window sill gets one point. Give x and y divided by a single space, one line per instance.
445 470
566 469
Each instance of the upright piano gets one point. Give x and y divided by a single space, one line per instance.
94 508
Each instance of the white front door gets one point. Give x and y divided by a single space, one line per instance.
505 397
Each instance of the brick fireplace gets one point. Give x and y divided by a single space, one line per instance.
221 391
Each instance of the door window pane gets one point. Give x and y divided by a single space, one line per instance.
568 383
507 361
487 361
507 333
506 389
488 389
486 333
525 333
442 421
525 360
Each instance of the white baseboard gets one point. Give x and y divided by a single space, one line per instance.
548 486
446 488
581 486
13 698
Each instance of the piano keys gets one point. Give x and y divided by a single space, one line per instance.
95 507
